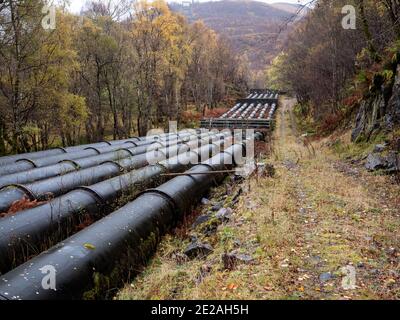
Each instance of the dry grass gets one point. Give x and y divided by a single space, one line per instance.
316 215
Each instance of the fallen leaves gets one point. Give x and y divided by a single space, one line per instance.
20 205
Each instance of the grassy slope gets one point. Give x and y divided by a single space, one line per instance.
318 214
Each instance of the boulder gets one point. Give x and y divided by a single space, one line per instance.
224 214
374 162
201 219
389 163
216 206
198 250
379 148
230 260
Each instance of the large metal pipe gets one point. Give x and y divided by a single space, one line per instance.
66 166
59 150
120 241
55 219
55 186
28 163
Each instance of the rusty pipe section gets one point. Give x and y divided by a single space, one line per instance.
116 243
36 225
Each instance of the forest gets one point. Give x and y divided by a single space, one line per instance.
333 70
115 70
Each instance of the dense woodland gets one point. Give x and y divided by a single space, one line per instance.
329 68
113 71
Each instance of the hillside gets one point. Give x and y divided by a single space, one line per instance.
252 26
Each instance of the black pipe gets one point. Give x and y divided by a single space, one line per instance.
51 187
56 151
59 150
73 165
121 239
27 163
37 225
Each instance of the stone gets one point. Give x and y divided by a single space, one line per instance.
390 163
326 276
198 250
374 162
216 207
230 260
224 214
201 219
379 148
237 243
179 257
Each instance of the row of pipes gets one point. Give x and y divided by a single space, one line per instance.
91 170
122 238
128 233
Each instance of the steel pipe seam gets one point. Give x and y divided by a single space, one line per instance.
21 165
99 198
131 153
36 174
10 159
93 148
27 192
131 142
74 163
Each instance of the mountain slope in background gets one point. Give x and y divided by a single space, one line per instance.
256 29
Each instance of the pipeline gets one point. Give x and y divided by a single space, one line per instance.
59 150
119 241
37 225
51 187
66 166
26 163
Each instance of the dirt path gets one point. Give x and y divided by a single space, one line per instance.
319 229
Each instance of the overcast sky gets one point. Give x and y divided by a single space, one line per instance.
77 4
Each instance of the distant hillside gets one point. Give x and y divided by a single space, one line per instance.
289 7
251 26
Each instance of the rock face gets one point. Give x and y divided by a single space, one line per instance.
381 110
393 107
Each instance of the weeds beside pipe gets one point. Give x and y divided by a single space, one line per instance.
118 243
52 220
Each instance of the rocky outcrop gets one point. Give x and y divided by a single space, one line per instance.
380 110
393 106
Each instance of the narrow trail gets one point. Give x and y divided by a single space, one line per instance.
319 229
